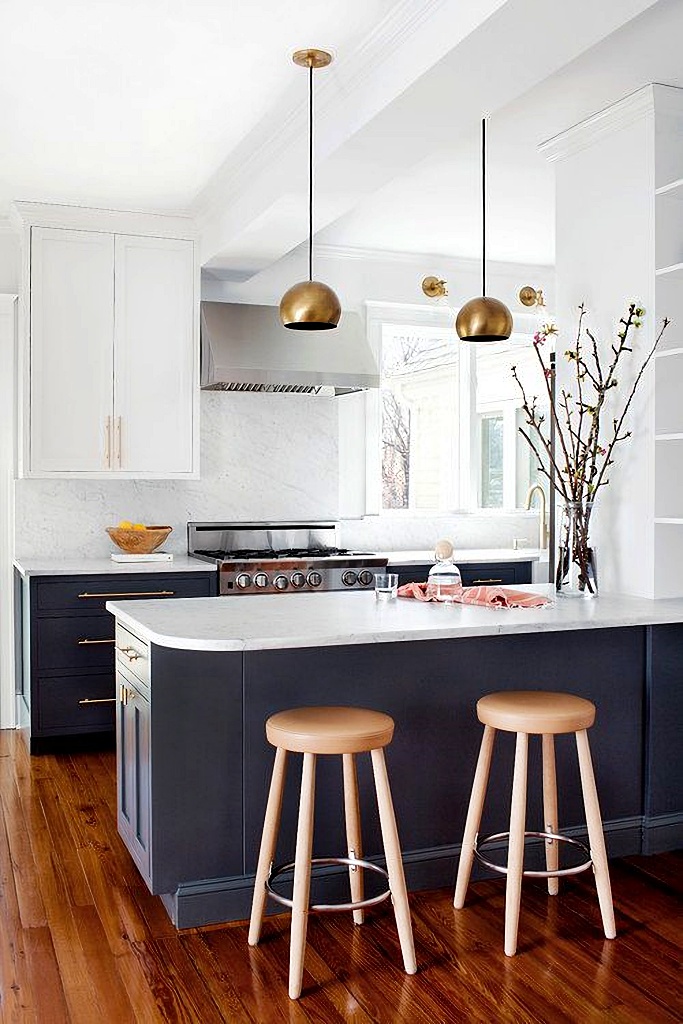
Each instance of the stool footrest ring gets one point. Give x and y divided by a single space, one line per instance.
325 908
548 836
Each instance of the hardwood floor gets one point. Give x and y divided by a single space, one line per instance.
83 942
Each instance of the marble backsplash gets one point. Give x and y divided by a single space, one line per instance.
263 457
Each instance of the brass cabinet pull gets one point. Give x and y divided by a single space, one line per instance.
139 593
86 641
125 694
474 582
107 442
117 446
98 700
130 653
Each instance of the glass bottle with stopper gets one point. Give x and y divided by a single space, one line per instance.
444 582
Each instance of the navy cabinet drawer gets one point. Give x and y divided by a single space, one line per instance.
75 642
487 573
73 704
89 594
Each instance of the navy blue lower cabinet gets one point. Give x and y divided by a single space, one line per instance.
65 645
472 573
210 757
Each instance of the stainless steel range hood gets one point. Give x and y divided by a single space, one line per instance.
246 348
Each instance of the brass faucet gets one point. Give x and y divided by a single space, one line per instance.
543 526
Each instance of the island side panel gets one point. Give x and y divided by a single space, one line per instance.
196 766
663 824
430 688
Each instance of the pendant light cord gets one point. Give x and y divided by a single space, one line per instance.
310 172
483 205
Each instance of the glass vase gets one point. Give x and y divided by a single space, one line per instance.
576 570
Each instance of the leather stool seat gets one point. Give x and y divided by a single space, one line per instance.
330 730
535 712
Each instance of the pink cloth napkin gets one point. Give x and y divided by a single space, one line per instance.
492 597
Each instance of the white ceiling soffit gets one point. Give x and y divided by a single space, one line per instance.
381 111
134 104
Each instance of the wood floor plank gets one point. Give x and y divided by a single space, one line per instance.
83 942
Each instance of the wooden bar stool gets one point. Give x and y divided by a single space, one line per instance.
533 712
329 730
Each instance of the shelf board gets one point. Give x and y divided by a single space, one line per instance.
661 353
672 188
668 521
675 270
669 437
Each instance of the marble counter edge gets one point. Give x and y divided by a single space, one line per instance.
28 566
466 556
387 632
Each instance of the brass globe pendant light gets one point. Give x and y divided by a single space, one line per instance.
483 318
310 305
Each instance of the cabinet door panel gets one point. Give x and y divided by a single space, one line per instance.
155 355
72 337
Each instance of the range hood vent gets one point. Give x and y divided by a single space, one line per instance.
246 348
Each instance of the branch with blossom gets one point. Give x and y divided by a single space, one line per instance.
578 465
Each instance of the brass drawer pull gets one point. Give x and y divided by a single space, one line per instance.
82 642
125 694
130 653
474 582
139 593
98 700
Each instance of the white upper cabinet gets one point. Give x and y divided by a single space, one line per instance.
112 368
154 359
72 339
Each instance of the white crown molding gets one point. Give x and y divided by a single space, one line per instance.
432 262
26 214
265 145
619 115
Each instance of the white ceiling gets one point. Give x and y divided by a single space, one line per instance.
194 106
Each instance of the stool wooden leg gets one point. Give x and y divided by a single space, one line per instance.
271 827
596 837
552 853
392 853
353 836
513 889
476 806
302 877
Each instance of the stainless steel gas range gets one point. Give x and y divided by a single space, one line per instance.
281 558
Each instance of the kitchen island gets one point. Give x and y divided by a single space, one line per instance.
198 678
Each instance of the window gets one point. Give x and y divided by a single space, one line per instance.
449 414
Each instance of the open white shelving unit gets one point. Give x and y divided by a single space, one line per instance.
668 438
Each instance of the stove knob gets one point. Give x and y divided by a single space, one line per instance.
366 578
280 582
298 580
314 579
260 580
243 580
349 577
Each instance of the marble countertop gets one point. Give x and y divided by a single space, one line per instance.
261 622
466 555
96 566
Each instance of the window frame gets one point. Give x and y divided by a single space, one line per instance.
442 318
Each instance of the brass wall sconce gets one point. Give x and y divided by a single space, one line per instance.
529 296
434 287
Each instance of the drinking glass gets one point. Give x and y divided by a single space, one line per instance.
386 586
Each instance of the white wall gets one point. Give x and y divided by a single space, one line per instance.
605 258
9 259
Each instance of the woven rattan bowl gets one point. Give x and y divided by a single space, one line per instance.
139 542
